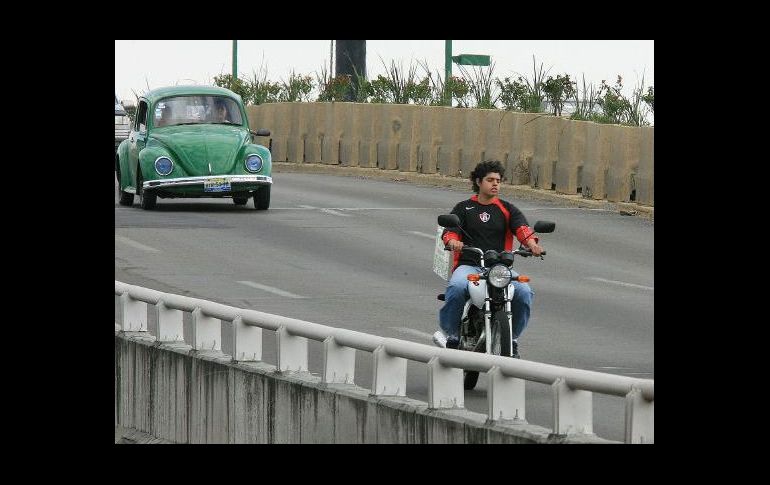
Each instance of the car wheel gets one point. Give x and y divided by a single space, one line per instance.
125 198
240 200
147 198
262 198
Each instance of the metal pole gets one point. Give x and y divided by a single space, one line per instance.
331 58
235 61
447 71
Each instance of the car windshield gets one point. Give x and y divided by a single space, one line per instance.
186 110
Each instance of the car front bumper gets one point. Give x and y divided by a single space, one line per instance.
198 182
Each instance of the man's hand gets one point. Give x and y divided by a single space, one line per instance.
454 245
534 247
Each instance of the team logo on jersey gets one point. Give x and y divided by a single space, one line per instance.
484 216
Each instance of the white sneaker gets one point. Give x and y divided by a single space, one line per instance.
439 339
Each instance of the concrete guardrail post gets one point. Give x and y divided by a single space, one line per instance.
506 397
242 342
572 409
445 386
203 332
389 374
640 418
133 314
292 351
339 363
169 323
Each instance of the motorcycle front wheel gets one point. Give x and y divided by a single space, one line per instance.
501 345
501 334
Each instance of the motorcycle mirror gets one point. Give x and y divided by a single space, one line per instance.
448 220
544 226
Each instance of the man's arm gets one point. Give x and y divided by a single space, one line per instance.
523 232
453 240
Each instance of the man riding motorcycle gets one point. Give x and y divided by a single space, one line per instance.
488 222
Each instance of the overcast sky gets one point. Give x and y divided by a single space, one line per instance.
140 64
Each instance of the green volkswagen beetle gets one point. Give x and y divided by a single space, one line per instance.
193 141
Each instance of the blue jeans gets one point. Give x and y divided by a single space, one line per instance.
457 294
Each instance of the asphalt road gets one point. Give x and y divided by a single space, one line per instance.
357 253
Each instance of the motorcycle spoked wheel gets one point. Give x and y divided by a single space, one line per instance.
501 345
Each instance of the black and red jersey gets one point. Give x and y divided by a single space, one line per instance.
489 226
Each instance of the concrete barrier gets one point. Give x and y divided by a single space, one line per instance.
624 163
230 336
645 188
602 162
597 160
170 393
572 148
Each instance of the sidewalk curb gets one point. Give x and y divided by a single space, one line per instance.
438 180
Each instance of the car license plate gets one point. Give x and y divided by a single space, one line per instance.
216 185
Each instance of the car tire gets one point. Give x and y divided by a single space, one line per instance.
147 198
262 198
126 198
240 200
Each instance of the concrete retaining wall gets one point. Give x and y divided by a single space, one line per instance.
174 394
602 162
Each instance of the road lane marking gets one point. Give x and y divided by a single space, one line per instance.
334 212
270 289
622 283
135 244
326 210
429 236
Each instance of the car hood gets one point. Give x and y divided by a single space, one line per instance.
197 146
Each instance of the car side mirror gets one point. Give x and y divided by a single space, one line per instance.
260 132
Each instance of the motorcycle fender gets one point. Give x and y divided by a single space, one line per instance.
478 293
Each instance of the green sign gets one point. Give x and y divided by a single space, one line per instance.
471 60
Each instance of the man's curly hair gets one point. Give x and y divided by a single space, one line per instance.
483 168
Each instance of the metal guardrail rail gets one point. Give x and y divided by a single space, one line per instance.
238 332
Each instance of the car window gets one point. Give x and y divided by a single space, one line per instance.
186 110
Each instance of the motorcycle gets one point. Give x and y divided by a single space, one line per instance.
488 311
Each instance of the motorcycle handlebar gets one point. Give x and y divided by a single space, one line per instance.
521 252
526 253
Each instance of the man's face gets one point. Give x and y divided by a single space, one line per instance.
490 184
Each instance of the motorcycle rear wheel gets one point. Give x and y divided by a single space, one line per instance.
470 378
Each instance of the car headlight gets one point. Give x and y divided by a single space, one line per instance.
499 276
253 163
164 165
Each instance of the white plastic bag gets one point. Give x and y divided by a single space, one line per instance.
442 259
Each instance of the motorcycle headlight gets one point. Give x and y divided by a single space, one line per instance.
253 163
499 276
164 165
